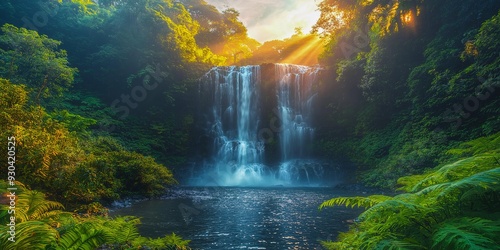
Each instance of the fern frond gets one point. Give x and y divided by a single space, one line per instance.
355 201
455 171
480 145
176 241
391 206
129 232
333 245
467 233
350 240
29 235
83 237
408 183
122 229
392 244
33 206
485 180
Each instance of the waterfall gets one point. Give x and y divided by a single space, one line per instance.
233 117
234 122
295 98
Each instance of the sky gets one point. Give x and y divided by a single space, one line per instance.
273 19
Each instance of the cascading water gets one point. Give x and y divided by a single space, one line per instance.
234 122
295 95
295 98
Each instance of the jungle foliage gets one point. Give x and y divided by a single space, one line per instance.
43 224
454 206
412 79
414 102
60 156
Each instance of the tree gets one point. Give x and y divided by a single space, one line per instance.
33 59
222 32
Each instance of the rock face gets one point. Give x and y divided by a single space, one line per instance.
258 124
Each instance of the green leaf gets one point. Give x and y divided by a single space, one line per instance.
355 201
467 233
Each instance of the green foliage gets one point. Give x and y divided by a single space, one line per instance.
34 216
45 148
181 37
482 156
452 172
122 233
123 229
222 32
29 235
451 207
31 205
176 241
71 121
467 233
478 146
172 241
136 173
38 227
33 59
418 84
352 202
111 172
486 42
56 160
83 236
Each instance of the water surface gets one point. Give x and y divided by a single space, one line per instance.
245 218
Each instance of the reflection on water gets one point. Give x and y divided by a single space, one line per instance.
245 218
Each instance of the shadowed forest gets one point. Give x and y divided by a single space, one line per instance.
100 102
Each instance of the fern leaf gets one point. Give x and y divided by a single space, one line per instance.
176 241
29 235
455 171
467 233
83 237
392 244
484 180
33 206
355 201
123 229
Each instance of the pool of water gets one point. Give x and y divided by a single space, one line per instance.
245 218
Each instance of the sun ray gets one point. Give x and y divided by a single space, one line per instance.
307 53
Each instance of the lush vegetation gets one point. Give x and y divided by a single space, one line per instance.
99 98
58 154
415 104
454 206
412 80
42 224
